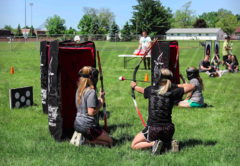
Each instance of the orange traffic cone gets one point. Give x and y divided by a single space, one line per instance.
12 70
146 77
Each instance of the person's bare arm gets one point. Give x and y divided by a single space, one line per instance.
187 87
93 111
137 88
189 95
228 48
183 79
212 59
203 68
236 68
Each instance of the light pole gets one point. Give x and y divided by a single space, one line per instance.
31 4
25 22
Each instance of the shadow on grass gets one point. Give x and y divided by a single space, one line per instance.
112 128
195 142
122 140
123 137
101 116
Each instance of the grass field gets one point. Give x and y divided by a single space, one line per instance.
208 136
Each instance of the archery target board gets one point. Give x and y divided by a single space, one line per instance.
217 47
208 48
21 97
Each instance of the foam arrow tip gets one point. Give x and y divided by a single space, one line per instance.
121 78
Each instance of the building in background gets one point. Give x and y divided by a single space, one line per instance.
27 32
237 33
196 34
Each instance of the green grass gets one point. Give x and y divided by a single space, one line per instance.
207 136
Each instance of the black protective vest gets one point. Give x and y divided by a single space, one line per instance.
160 108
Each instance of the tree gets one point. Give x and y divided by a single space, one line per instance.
185 17
151 16
126 32
32 33
104 16
19 31
84 24
200 23
114 32
228 23
70 31
55 25
27 27
238 17
211 18
8 27
223 12
94 26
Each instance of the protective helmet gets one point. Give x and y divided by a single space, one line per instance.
192 73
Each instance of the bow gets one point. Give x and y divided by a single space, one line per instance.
101 78
134 79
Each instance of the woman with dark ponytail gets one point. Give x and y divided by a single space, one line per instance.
194 98
234 65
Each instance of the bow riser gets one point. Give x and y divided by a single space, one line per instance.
101 79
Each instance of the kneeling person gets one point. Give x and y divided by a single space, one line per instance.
160 128
194 98
88 106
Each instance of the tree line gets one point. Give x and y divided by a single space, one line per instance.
149 15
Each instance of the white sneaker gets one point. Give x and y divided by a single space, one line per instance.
77 139
174 146
156 147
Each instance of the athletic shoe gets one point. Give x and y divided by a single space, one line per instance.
156 147
82 140
174 146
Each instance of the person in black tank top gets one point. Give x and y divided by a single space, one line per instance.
160 128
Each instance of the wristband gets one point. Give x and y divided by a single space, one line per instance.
174 86
134 87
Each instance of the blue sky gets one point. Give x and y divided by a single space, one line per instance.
12 12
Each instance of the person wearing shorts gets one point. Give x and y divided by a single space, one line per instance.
145 44
194 98
159 128
226 49
88 106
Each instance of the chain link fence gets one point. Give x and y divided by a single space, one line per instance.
102 41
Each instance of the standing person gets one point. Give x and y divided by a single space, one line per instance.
88 106
234 65
204 65
145 43
160 128
194 98
226 49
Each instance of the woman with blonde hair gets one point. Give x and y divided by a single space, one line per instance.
194 98
88 106
159 128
